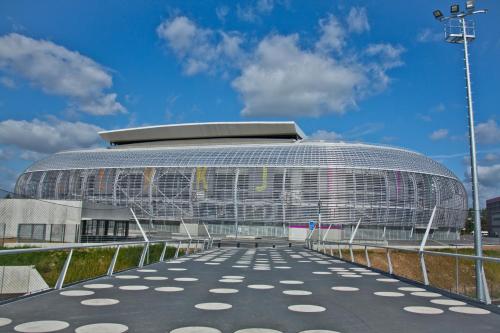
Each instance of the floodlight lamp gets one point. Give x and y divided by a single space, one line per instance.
438 15
470 4
454 9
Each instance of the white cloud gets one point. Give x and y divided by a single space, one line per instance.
389 55
200 49
222 12
439 134
252 12
491 157
332 35
428 35
265 6
48 136
326 135
489 182
59 71
357 20
283 77
7 82
488 132
438 108
284 80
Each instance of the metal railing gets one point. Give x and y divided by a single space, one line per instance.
361 251
16 274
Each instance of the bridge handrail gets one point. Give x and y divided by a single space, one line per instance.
319 245
97 245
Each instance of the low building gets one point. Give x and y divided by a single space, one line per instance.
63 221
493 216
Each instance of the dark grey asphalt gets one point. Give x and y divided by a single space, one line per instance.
150 310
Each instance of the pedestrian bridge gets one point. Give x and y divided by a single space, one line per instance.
261 290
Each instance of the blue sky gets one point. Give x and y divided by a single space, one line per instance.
372 71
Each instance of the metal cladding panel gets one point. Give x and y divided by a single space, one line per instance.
302 154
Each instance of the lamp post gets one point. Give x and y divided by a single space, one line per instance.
459 30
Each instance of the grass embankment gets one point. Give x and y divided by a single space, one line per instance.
85 263
452 274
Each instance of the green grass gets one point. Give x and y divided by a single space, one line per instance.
85 263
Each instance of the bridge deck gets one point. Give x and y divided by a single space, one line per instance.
287 290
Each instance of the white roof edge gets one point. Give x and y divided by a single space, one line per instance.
150 133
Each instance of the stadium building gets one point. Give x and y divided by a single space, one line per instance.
255 179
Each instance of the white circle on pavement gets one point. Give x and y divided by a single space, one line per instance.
306 308
230 280
351 275
342 288
102 328
76 293
240 266
100 301
260 286
156 278
388 294
41 326
134 287
387 280
291 282
411 289
127 277
257 330
282 267
212 263
223 291
185 279
195 329
318 331
468 310
297 292
425 294
169 289
213 306
236 277
370 273
423 310
177 269
5 321
322 273
98 286
450 302
147 270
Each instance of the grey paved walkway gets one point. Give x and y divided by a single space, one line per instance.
229 290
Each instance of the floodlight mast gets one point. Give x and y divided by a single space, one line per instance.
463 33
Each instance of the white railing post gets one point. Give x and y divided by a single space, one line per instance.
143 254
111 267
139 225
389 262
177 250
163 252
352 239
64 270
422 247
368 263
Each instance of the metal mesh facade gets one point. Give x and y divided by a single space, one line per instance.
271 185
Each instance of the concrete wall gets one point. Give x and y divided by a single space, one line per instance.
29 211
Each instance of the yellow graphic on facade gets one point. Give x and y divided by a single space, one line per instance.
148 177
201 177
262 187
100 177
